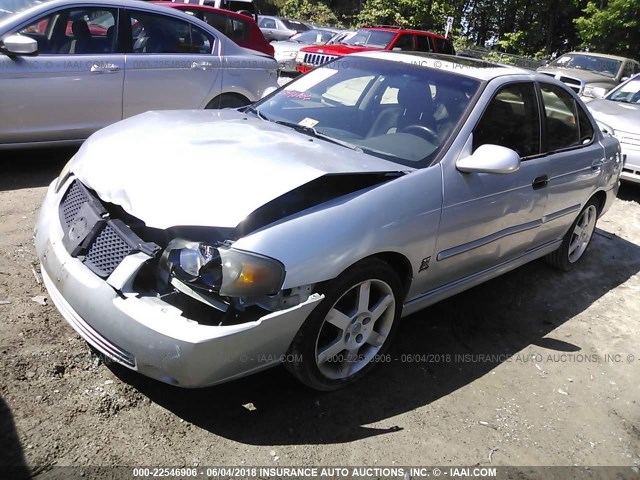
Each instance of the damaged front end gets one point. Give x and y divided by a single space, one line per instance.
195 268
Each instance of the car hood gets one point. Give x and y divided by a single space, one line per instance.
207 167
618 115
338 49
585 75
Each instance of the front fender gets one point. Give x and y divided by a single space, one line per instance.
319 243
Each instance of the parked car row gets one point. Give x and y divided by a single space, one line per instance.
371 39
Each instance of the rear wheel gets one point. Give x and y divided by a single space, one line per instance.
577 239
227 100
354 324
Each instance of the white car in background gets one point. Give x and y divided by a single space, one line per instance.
91 71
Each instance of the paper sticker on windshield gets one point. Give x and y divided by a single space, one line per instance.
308 122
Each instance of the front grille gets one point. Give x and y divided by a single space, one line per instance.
628 138
573 83
106 252
72 201
92 236
317 58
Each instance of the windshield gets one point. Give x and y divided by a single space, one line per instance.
396 111
370 38
8 7
627 93
313 37
605 66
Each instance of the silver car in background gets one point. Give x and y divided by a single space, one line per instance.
278 28
619 115
67 68
198 246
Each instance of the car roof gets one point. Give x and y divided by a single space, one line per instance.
403 30
594 54
470 67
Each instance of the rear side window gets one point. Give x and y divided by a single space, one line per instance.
423 44
152 33
511 120
267 23
566 124
444 46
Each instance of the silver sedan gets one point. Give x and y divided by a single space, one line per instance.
197 247
70 67
619 114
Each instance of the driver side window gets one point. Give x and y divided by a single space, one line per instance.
511 120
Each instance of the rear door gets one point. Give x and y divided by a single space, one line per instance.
170 64
73 87
574 158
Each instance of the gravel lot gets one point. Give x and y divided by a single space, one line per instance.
536 367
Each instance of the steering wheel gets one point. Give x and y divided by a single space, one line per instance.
422 131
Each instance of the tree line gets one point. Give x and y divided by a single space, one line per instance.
535 28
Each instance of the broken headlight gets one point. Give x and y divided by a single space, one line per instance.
221 269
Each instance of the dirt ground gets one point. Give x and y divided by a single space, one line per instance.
533 368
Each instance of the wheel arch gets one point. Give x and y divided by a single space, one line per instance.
601 198
230 94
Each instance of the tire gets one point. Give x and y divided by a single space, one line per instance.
227 100
353 324
577 239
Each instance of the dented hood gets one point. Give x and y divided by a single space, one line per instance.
206 167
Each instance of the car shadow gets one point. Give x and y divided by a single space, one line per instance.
467 336
32 168
12 462
629 192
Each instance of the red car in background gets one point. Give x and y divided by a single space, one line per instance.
374 38
242 29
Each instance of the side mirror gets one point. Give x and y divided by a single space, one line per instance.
490 159
19 45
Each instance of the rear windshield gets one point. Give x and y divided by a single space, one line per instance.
293 25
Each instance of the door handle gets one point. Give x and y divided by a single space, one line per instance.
202 65
597 165
540 182
104 68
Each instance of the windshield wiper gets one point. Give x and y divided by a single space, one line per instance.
258 113
312 132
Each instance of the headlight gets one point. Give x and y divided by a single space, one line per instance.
65 173
300 57
594 92
221 269
290 53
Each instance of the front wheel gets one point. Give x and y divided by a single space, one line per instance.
577 239
350 328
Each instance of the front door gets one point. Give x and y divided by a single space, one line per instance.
490 218
72 88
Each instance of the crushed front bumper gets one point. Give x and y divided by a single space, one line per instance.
145 333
